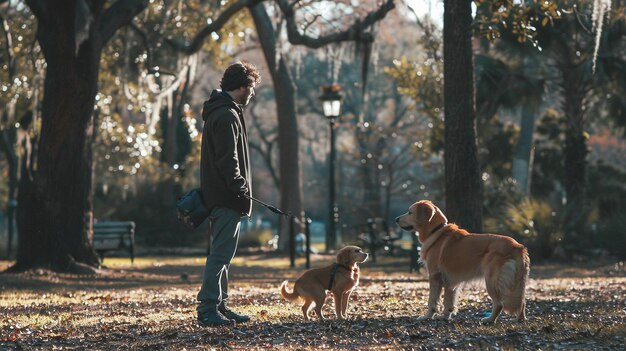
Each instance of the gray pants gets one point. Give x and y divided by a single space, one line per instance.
224 238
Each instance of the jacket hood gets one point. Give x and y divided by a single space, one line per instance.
219 99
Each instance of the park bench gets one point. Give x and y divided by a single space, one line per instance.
113 236
378 236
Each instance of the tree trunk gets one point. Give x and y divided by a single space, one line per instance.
8 140
55 214
575 165
575 141
523 160
575 159
288 138
462 171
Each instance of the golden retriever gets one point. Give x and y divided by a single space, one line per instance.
454 256
340 278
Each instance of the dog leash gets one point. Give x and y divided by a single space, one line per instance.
269 207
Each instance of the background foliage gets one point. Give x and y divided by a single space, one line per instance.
390 134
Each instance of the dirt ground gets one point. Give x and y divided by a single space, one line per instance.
151 305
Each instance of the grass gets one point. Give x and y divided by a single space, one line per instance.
151 304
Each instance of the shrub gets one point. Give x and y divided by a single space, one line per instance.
499 194
533 223
610 235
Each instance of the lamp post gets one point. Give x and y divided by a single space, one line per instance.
331 103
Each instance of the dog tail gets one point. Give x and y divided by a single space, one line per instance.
514 300
293 296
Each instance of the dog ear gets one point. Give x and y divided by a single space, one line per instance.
425 211
343 256
432 213
443 217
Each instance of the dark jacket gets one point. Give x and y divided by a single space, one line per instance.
225 159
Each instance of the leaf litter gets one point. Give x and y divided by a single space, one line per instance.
152 307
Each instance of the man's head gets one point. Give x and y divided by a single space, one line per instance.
239 80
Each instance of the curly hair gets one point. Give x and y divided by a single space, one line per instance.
240 74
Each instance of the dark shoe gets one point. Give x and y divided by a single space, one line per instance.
213 319
230 314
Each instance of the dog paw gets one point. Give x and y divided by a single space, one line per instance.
444 317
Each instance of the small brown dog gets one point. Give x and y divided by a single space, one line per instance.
340 278
454 256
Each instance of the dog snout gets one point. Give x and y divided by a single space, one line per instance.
398 218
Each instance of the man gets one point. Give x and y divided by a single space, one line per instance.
225 181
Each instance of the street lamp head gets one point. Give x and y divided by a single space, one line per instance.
331 100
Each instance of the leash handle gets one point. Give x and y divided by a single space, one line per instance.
270 207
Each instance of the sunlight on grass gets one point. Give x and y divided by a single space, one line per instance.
245 261
241 261
142 262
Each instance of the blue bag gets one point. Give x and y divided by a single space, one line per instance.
191 210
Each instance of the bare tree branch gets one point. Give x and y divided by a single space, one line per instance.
356 32
306 26
428 28
198 40
144 40
119 14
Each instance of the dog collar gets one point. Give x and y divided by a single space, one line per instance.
438 227
334 271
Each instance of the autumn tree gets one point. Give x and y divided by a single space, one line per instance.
55 205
